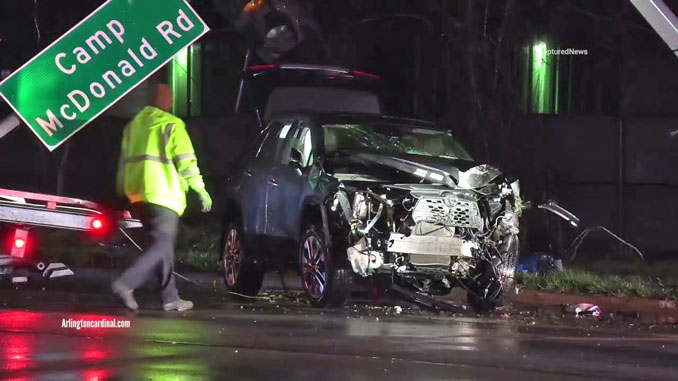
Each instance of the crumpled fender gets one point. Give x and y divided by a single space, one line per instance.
477 177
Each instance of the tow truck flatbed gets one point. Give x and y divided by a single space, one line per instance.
21 211
55 212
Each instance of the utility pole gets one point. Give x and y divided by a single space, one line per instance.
8 124
662 20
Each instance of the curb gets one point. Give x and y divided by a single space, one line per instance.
664 311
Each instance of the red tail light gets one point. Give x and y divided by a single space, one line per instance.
97 224
358 72
260 67
19 243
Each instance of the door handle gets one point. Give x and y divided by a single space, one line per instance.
273 182
248 173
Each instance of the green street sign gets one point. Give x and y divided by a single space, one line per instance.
97 62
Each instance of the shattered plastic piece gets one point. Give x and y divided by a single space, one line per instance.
582 309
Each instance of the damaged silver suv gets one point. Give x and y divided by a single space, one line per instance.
342 197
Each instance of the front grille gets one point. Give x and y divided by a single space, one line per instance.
430 260
450 210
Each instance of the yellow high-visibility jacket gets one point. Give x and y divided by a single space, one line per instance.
157 161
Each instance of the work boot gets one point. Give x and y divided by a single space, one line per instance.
125 293
178 305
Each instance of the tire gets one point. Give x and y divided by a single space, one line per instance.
494 283
242 273
325 283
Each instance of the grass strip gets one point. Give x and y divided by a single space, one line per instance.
587 283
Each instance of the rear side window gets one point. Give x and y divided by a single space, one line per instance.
302 142
273 142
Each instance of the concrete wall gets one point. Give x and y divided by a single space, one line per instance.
649 85
618 173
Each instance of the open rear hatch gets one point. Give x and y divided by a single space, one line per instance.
283 88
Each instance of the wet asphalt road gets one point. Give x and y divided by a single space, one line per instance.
227 339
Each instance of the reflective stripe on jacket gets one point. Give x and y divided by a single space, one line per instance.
157 161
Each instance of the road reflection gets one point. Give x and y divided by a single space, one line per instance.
23 354
168 345
464 337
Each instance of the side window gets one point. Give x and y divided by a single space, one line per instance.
306 145
302 142
274 141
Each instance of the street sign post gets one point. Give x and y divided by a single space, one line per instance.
97 62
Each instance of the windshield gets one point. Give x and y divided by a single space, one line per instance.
392 139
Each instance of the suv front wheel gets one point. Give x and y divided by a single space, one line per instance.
495 282
324 282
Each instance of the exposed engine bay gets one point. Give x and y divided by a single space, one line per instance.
435 236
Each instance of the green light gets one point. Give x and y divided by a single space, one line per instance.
185 77
541 101
539 53
196 80
179 83
182 57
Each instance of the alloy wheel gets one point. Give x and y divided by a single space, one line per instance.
314 267
232 257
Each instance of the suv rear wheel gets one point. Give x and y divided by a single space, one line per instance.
324 282
242 274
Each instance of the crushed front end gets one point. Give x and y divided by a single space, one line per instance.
435 235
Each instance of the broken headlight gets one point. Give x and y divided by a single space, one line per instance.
496 204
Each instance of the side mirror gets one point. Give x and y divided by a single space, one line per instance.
295 158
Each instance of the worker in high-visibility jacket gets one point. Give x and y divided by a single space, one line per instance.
157 168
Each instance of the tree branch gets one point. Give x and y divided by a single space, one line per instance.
508 7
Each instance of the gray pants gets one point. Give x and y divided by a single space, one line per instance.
160 228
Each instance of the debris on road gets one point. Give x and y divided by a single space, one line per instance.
584 309
426 301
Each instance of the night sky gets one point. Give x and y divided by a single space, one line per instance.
405 50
